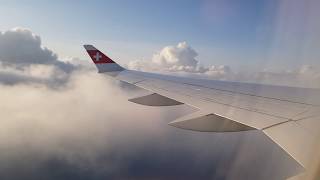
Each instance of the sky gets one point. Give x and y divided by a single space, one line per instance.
60 119
266 34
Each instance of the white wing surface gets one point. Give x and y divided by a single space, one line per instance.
289 116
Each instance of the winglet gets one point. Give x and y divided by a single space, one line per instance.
103 62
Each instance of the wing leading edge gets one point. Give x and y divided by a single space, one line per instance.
279 112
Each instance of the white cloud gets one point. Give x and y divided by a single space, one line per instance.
171 58
305 76
219 72
140 65
21 46
24 60
181 59
181 55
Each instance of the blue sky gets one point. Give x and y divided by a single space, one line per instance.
231 32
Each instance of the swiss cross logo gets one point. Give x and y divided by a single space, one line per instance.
97 57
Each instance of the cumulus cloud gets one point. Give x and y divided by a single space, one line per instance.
181 55
23 58
171 58
180 59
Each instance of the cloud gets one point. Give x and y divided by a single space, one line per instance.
219 72
24 60
181 60
171 58
181 55
304 76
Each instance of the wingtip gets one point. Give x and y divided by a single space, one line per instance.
89 47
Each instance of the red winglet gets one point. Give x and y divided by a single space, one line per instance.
97 56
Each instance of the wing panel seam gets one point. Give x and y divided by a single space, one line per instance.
211 100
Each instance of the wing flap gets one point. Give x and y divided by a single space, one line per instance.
205 122
155 100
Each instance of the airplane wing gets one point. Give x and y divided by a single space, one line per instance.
289 116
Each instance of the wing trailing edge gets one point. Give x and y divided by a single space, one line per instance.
298 140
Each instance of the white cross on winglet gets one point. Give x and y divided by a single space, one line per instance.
97 56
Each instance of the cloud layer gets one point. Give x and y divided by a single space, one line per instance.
181 59
89 130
